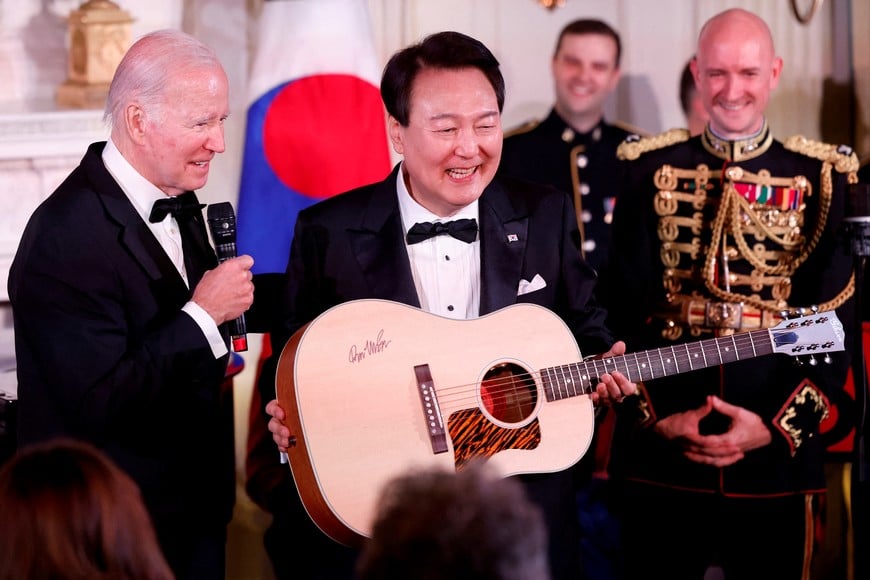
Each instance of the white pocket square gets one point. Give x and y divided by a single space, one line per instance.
536 284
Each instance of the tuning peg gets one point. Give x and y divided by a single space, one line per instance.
784 314
828 360
814 308
798 361
813 361
801 311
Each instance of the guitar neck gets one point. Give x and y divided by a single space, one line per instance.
580 378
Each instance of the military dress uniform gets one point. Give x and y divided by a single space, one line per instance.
713 238
583 165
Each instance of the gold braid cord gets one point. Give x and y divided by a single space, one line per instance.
633 148
843 162
734 210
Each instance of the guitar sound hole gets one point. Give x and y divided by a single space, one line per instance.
509 393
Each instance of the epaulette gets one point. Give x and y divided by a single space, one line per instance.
634 130
842 157
634 145
524 128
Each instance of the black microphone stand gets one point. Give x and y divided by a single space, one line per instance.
859 229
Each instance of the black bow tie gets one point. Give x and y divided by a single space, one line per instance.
464 230
185 204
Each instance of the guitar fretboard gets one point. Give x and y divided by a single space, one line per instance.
580 378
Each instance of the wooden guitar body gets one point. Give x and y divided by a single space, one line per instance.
349 387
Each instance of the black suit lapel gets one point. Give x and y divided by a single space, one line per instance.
379 247
503 239
133 232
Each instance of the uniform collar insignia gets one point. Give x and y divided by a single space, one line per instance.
569 133
739 150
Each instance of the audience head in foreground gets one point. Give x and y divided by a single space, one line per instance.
70 513
436 524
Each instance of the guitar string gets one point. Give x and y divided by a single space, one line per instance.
677 355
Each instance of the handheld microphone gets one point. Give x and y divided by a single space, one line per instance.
222 223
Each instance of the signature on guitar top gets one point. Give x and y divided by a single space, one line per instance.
374 388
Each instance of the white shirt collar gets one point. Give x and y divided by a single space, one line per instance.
412 212
141 192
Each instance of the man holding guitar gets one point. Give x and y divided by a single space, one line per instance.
441 234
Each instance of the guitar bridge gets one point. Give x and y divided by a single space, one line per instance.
431 410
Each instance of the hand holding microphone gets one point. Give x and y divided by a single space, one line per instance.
227 292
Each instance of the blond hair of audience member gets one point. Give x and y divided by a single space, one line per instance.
68 512
439 525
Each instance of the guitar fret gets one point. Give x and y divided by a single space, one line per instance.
649 366
572 381
547 379
560 387
662 362
599 371
583 377
570 386
587 377
576 381
605 362
639 371
563 384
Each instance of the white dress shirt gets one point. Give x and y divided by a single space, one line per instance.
446 271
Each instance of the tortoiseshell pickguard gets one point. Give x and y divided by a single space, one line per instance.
474 435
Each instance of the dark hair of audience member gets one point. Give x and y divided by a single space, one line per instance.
445 525
585 26
68 512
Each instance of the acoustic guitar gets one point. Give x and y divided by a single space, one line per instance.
373 389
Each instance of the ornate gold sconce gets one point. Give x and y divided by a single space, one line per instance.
99 35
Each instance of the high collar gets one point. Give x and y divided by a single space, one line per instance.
557 125
741 149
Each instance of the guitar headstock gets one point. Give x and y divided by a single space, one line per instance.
807 335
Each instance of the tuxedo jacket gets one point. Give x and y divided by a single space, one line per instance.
105 353
352 247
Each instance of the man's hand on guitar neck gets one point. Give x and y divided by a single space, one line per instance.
280 433
614 387
746 431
